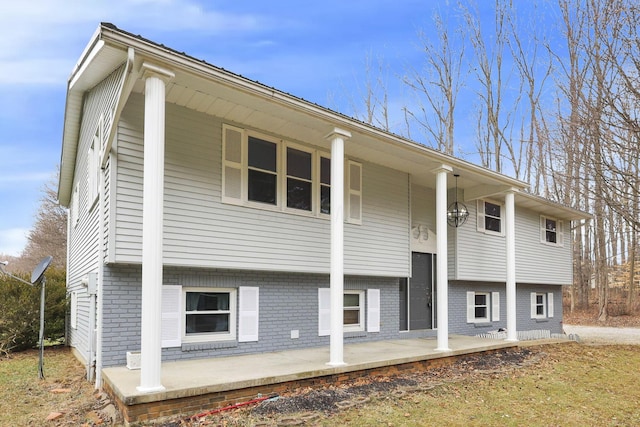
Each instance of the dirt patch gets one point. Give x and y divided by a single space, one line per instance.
302 405
590 318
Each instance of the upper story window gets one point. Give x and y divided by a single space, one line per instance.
551 231
490 218
262 171
265 172
299 179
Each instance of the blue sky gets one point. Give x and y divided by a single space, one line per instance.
314 50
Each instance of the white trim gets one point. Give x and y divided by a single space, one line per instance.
359 327
481 216
373 310
248 313
239 169
353 196
324 312
171 316
534 305
214 336
471 307
495 306
559 231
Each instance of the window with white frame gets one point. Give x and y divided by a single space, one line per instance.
551 231
489 217
209 314
483 307
261 171
541 305
353 311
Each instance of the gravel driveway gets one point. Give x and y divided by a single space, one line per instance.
604 335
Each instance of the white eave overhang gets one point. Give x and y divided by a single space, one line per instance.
108 49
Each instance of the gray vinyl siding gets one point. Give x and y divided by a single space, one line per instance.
482 256
200 230
538 262
83 236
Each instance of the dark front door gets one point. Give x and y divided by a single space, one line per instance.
420 292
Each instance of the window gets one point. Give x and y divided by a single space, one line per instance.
325 185
541 305
353 315
261 171
353 310
490 217
483 307
262 176
551 231
209 314
299 179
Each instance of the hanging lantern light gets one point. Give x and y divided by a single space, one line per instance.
457 214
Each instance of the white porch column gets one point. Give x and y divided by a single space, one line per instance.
336 344
442 283
510 237
152 215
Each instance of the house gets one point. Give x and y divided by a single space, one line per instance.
211 215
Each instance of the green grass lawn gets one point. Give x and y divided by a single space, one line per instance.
567 384
26 400
571 385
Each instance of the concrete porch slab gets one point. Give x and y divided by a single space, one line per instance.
187 379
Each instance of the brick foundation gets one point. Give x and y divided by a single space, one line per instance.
188 406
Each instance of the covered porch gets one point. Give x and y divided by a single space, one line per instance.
204 384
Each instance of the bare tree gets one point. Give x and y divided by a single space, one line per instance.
494 120
438 83
48 235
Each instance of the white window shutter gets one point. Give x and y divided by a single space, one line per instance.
171 316
324 311
543 229
471 307
249 318
373 310
533 305
560 233
480 215
354 192
232 157
495 306
550 304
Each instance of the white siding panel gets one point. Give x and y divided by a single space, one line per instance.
200 230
